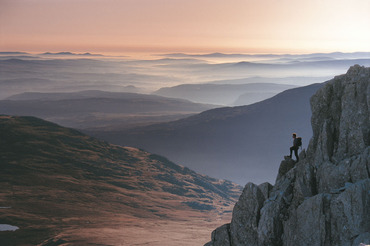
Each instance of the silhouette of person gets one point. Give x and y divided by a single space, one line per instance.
295 147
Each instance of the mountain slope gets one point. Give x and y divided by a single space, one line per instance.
323 199
235 143
89 109
225 94
54 179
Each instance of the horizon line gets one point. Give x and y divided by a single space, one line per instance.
159 53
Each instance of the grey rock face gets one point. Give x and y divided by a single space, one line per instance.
245 219
221 236
285 166
265 189
350 213
275 211
340 116
307 225
324 199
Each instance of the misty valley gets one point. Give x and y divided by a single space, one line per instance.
105 149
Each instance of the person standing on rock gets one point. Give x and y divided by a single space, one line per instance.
296 143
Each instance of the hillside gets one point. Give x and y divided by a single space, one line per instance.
59 184
90 109
323 199
234 143
225 94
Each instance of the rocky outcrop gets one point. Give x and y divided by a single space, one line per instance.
324 199
244 223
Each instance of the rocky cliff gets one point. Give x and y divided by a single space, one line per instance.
324 199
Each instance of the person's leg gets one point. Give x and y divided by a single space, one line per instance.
291 149
296 153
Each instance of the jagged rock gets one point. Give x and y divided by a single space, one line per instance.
266 188
340 116
283 185
220 236
350 213
360 167
274 211
243 228
302 155
333 176
305 182
327 219
324 199
270 227
307 225
330 176
285 166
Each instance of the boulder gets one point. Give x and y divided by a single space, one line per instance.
246 215
286 165
220 236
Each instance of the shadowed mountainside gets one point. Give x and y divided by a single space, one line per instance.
54 179
235 143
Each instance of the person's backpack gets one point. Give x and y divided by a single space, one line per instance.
299 141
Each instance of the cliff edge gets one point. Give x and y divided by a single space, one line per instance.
324 199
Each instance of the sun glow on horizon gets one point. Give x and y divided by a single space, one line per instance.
192 26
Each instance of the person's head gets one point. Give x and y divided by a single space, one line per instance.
294 135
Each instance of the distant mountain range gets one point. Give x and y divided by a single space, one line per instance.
223 55
18 75
70 54
60 73
13 53
225 94
236 143
50 53
98 109
337 55
55 179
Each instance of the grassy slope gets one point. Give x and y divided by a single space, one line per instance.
55 179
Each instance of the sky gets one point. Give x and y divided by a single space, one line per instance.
191 26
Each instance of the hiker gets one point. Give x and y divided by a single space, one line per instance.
296 143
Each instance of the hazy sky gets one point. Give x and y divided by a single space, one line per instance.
245 26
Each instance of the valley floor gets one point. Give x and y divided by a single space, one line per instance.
152 232
121 230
